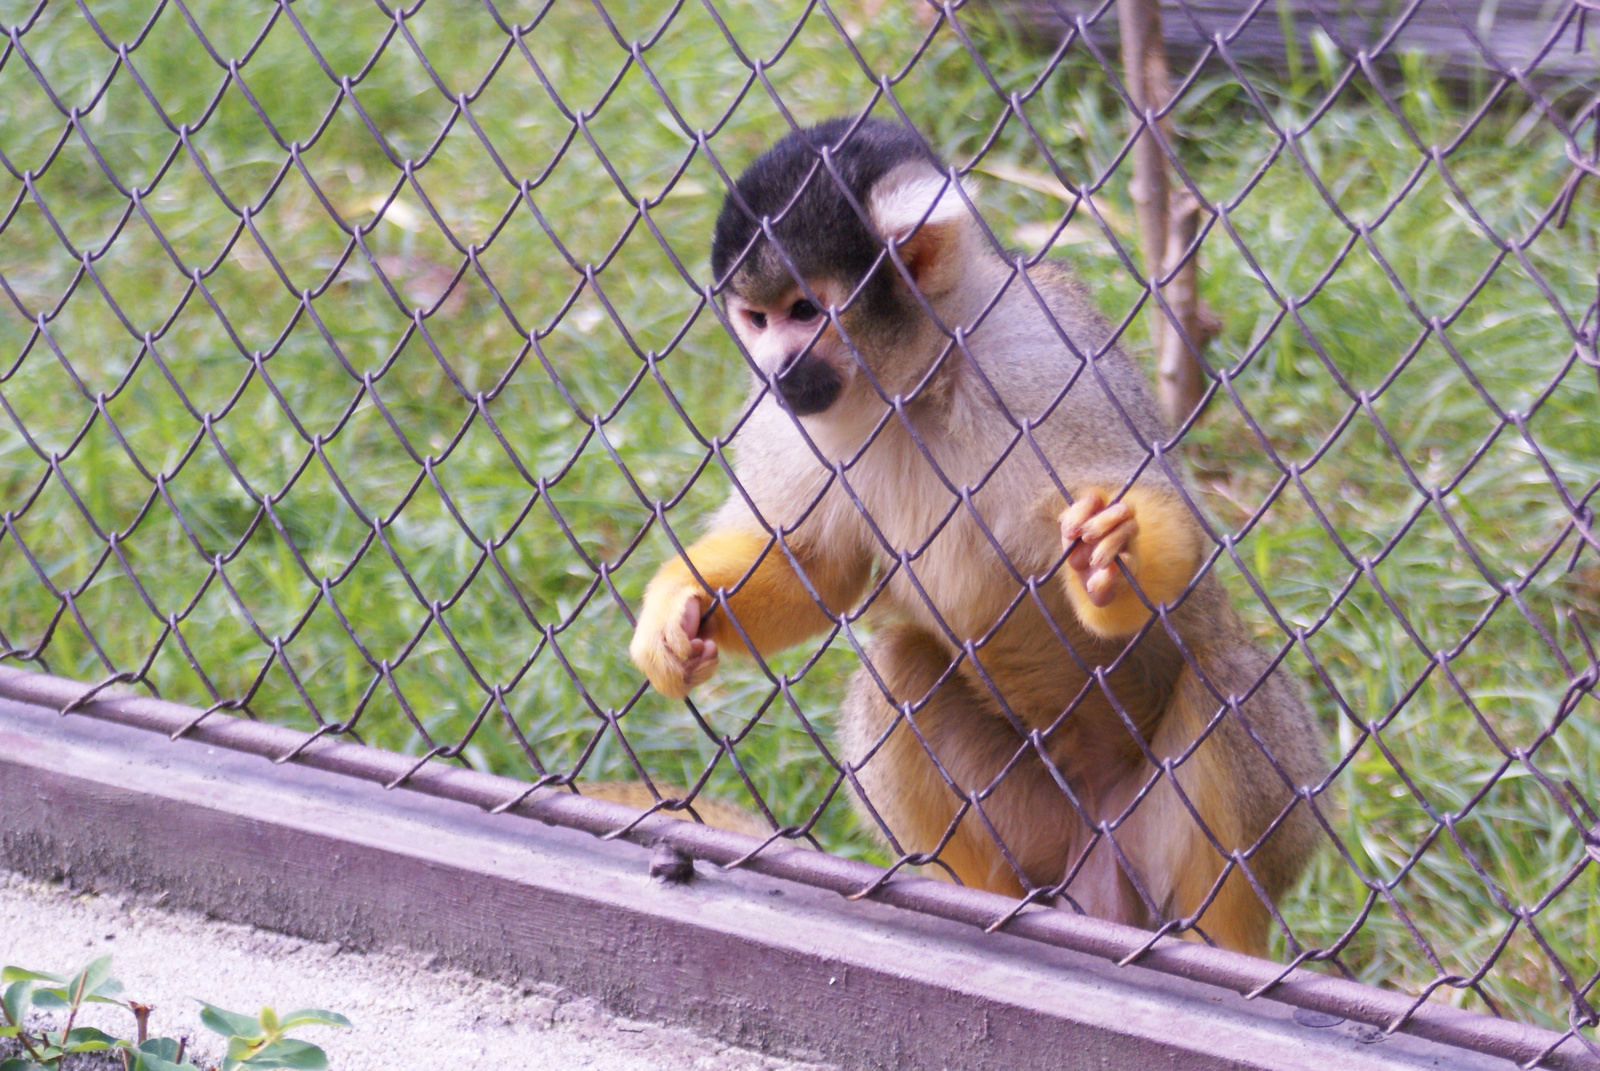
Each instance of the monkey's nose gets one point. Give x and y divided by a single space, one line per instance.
808 385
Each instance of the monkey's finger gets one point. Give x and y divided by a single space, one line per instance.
700 669
1076 515
1080 557
1101 585
1113 543
689 619
708 622
681 628
1108 520
1073 517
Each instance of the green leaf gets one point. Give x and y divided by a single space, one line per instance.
94 983
241 1049
17 1000
10 1031
17 974
146 1062
21 1065
51 998
285 1053
163 1048
312 1017
88 1039
229 1024
156 1054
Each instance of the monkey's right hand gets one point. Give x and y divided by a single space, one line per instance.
673 644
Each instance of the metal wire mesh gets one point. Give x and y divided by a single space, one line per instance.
360 365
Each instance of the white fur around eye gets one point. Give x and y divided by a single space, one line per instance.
902 201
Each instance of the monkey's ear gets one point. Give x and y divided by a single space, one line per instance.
925 213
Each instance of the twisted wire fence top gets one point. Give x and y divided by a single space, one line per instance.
360 363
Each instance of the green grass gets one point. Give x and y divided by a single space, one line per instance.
308 466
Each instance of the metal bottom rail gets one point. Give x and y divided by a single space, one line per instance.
1388 1011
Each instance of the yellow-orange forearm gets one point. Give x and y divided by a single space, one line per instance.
772 605
769 601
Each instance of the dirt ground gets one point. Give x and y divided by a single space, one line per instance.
407 1013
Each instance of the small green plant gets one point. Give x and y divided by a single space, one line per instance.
259 1041
25 990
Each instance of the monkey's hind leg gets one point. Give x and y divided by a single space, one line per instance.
899 779
977 748
1239 794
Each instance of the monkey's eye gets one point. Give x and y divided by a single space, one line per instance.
803 311
758 320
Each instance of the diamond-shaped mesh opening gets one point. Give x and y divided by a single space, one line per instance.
360 365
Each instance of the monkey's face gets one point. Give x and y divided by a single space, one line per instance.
876 227
795 344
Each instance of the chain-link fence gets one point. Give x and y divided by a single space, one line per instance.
360 365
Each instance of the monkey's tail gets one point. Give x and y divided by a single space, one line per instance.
713 812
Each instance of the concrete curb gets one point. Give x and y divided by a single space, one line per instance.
755 961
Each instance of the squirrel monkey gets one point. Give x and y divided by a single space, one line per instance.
934 420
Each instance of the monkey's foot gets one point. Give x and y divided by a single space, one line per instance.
1103 534
672 644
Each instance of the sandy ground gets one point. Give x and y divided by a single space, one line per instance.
406 1014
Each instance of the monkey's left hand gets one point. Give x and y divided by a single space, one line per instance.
1104 534
1151 534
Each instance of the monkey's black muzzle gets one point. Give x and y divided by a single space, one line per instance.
808 385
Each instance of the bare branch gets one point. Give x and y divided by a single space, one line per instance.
1167 225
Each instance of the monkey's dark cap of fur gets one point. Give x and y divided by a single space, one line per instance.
821 231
